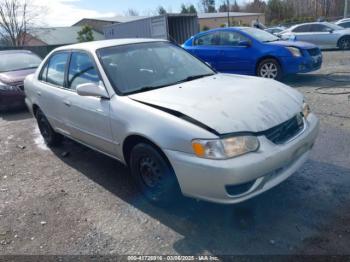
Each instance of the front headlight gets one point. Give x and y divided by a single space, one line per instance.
294 51
5 87
225 148
306 110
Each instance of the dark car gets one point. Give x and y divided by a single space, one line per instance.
15 65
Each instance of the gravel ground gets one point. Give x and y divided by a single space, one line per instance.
75 201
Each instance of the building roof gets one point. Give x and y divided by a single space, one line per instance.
94 45
60 35
115 19
224 14
122 19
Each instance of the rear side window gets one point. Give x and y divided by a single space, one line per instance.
55 69
319 28
301 29
81 71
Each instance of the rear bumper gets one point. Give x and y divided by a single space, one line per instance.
211 179
304 64
11 100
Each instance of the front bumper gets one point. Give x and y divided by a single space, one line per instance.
304 64
272 164
11 100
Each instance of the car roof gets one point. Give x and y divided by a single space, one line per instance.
15 51
237 28
94 45
343 20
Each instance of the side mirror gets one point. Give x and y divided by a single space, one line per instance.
91 89
330 30
292 38
244 43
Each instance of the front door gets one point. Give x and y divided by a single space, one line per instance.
235 57
87 118
207 48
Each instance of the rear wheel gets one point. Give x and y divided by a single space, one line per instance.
344 43
51 138
154 175
269 68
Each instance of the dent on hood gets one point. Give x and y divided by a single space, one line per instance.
229 104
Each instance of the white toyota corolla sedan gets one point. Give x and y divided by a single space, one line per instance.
179 126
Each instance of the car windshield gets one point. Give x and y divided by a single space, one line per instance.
334 26
18 61
141 67
260 35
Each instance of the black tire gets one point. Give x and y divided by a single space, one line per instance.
344 43
154 175
52 139
269 68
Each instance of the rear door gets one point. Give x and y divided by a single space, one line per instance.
50 90
324 35
87 118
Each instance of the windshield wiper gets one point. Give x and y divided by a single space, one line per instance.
149 88
269 41
191 78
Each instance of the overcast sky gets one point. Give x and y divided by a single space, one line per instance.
67 12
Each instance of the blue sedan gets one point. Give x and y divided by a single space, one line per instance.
251 51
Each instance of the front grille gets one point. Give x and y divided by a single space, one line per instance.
314 51
285 131
20 87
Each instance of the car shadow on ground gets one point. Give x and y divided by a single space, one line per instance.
314 80
15 115
279 221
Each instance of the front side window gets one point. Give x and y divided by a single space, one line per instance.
231 38
56 69
141 67
81 71
208 39
18 61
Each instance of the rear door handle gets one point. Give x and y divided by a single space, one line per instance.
67 103
38 93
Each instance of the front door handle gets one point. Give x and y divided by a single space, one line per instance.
67 103
38 93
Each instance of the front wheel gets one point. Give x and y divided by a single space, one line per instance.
153 174
269 68
344 43
51 138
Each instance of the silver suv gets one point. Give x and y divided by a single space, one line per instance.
177 124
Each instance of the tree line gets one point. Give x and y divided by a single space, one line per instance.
274 10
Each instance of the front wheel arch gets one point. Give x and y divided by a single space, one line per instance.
346 37
267 58
131 141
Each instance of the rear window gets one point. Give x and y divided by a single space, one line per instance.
18 61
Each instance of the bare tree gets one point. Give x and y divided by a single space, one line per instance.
17 17
132 12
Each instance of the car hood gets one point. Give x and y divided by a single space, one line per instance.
299 44
13 77
229 103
